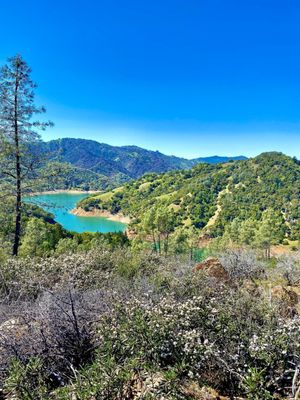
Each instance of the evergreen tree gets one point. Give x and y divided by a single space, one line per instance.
149 225
36 239
247 232
17 134
165 223
270 231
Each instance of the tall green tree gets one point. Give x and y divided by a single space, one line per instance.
165 225
18 131
149 225
271 231
36 239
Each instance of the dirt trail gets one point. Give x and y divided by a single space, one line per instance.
213 219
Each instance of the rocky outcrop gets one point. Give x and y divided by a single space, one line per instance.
286 299
213 268
282 294
193 391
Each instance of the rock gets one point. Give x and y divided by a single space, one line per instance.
213 268
286 299
285 295
13 328
195 392
251 287
142 385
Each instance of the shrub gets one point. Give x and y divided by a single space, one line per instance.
105 322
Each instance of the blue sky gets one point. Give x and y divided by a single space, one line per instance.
189 77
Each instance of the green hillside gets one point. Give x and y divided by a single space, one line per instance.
91 165
212 196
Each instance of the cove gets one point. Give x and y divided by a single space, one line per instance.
60 204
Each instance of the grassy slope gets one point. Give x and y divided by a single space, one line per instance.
214 194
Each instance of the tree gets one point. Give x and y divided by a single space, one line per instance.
179 241
271 231
247 232
36 239
18 133
185 240
67 245
232 231
165 224
159 222
149 225
192 240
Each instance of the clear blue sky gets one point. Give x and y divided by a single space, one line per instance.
186 77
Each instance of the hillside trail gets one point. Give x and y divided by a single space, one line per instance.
214 218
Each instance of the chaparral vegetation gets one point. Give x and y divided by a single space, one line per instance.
198 299
113 323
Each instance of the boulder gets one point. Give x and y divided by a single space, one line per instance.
286 299
213 268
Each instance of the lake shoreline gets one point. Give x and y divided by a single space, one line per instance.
66 191
80 212
62 204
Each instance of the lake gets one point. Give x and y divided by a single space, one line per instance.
60 205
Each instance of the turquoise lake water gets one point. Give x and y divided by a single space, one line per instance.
60 205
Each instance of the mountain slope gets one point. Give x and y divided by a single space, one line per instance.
118 163
216 193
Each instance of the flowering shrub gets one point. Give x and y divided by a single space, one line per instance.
121 325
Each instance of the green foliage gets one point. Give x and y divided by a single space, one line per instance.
40 237
67 245
19 166
136 320
269 181
67 176
93 165
241 191
269 230
26 381
255 385
34 242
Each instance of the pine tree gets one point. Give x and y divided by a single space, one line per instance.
271 231
17 134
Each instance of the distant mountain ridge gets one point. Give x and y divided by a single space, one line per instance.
217 159
118 163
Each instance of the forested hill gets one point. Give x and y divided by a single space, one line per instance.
212 196
101 162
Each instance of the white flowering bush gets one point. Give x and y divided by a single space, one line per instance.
211 339
289 269
109 324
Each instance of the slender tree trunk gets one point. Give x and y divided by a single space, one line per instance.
159 244
191 254
18 174
18 211
166 244
154 242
